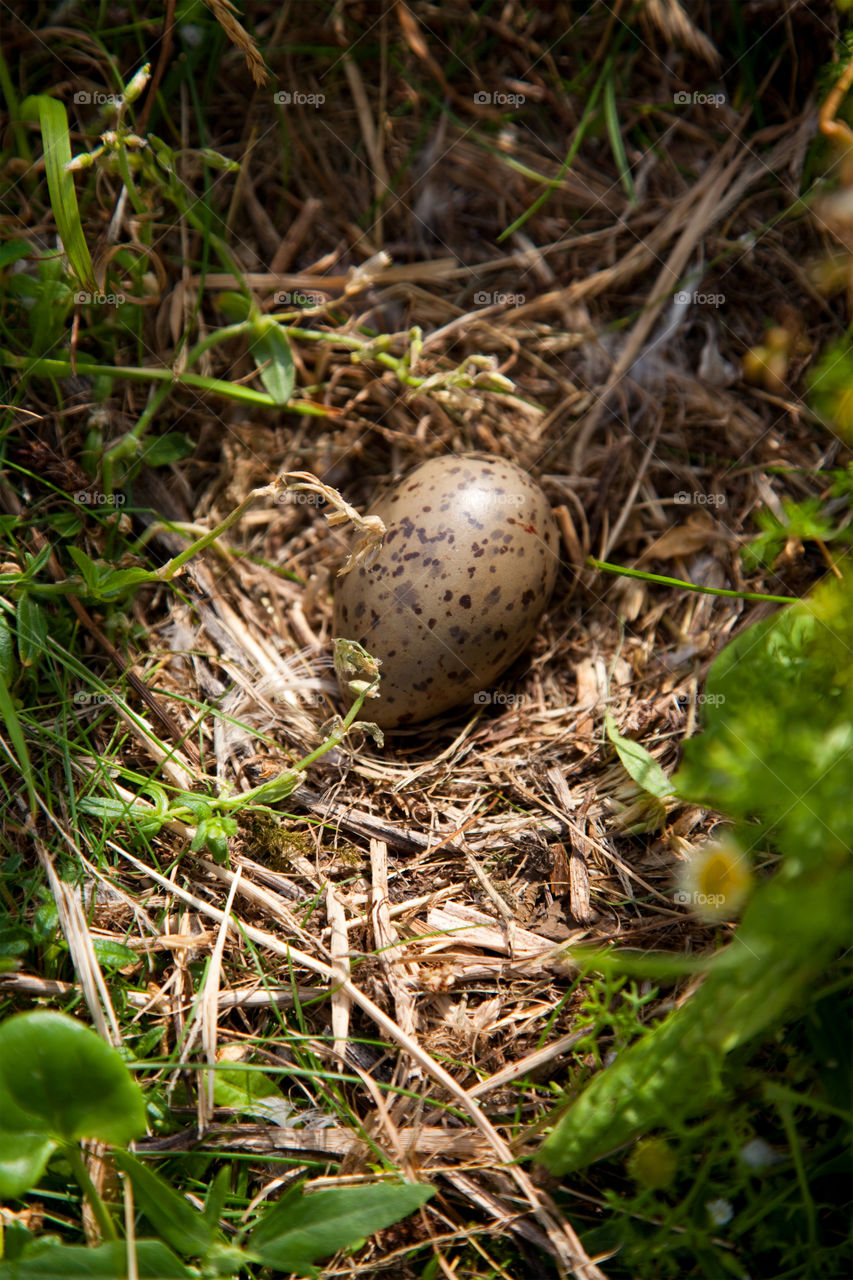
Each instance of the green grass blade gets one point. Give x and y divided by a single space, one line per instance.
63 198
611 117
621 571
9 716
580 134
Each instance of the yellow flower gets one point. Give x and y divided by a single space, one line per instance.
716 880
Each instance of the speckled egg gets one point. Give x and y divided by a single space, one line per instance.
457 592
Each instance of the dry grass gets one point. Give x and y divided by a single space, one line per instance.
425 889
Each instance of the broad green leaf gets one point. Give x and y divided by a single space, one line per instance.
270 348
113 955
213 834
48 316
47 1259
789 932
300 1229
13 1119
778 747
236 306
67 1080
244 1089
106 808
35 562
642 767
103 581
117 581
268 343
60 183
15 940
778 741
31 627
23 1157
12 251
90 570
163 451
183 1227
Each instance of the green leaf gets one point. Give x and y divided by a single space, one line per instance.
270 348
15 940
90 570
213 834
163 153
298 1230
642 767
163 451
60 183
8 661
244 1089
103 582
23 1157
47 1259
236 306
67 1080
113 955
789 933
18 742
31 625
217 161
65 524
217 1194
611 118
778 747
12 251
785 688
48 315
180 1225
118 581
104 807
